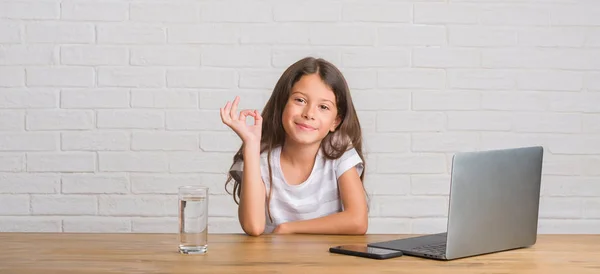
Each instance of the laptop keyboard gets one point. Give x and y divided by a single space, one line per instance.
435 249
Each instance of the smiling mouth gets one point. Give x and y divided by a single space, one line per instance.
305 127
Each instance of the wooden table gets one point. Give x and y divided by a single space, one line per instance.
157 253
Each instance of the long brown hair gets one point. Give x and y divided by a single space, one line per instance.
347 134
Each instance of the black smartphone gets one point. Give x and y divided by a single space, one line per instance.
365 251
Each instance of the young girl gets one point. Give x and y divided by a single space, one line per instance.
300 167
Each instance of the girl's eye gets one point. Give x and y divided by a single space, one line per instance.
299 100
324 107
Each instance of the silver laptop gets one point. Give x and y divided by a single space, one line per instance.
493 206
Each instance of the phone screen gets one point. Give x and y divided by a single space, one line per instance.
367 249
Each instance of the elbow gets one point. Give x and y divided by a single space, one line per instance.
360 225
254 230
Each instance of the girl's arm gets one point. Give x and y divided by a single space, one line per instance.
251 210
353 220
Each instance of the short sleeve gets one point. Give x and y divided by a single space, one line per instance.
349 159
236 170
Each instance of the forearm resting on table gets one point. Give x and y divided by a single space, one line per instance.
251 209
346 222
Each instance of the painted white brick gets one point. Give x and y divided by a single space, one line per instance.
28 98
133 161
195 120
228 56
203 34
575 144
169 183
12 162
592 38
411 78
263 79
358 79
97 183
481 79
591 208
442 13
394 225
184 12
494 140
30 223
284 57
60 32
131 77
368 121
363 58
414 35
342 35
410 121
552 37
568 186
224 141
155 225
29 183
94 10
430 185
410 206
167 98
224 225
590 165
419 163
480 36
275 34
120 33
12 120
394 99
559 207
126 205
387 184
562 164
547 122
429 225
95 140
96 224
244 12
61 162
444 142
94 98
93 55
550 80
306 12
516 15
386 142
63 204
377 12
165 56
167 141
568 226
28 141
201 78
222 206
27 55
181 162
446 100
445 58
61 76
12 77
575 15
483 121
591 123
11 32
590 102
14 205
577 59
508 100
59 119
131 119
31 9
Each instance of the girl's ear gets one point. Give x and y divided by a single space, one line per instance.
337 121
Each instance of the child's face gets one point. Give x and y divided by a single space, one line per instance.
310 112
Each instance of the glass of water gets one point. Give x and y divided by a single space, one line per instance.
193 219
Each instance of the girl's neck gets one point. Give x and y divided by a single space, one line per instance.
299 155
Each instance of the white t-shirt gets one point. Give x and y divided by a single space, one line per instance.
318 196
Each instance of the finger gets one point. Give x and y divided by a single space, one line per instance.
224 116
245 113
257 118
234 107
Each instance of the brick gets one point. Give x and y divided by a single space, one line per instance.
342 35
29 183
368 121
358 79
12 162
386 142
169 183
59 119
562 164
589 165
224 141
126 205
481 79
550 80
547 122
387 184
591 123
61 162
574 144
94 11
11 120
28 98
96 224
444 142
377 12
552 37
274 34
445 58
94 55
133 162
168 98
244 12
559 207
411 121
446 100
63 205
576 15
394 99
420 163
263 79
429 225
165 56
510 100
60 32
94 98
27 55
442 13
11 32
480 36
120 33
591 208
410 206
493 140
28 141
155 225
97 183
516 16
568 226
14 204
30 9
95 141
239 57
411 78
364 58
306 12
182 162
592 37
30 223
590 102
201 78
222 206
61 76
393 225
412 36
133 77
131 119
576 59
569 186
430 185
195 120
165 12
482 121
284 57
167 141
204 33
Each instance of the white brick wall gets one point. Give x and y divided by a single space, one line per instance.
106 107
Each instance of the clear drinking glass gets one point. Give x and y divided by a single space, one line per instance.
193 219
